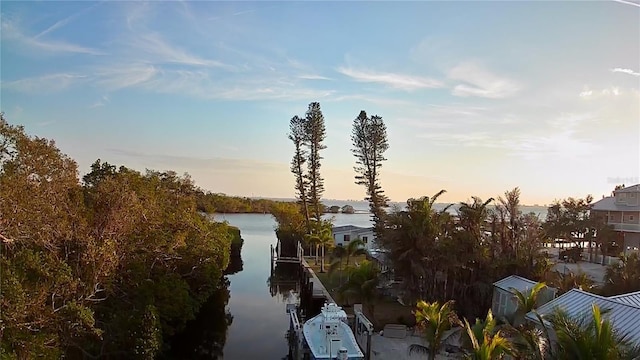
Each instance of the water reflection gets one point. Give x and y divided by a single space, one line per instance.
284 282
205 336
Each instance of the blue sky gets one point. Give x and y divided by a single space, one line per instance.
478 97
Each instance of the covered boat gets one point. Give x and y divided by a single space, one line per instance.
330 337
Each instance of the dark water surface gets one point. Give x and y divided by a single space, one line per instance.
260 322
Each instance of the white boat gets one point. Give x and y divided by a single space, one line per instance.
330 337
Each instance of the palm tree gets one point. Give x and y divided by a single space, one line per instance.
590 337
529 341
527 302
435 319
361 285
337 255
625 276
354 248
487 343
570 280
322 237
473 215
411 242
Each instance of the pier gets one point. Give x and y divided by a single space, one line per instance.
312 295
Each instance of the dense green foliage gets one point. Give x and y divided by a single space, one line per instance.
110 268
209 202
441 258
553 337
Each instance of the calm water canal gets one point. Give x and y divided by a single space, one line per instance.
259 319
255 324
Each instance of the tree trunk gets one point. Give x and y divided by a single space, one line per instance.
322 260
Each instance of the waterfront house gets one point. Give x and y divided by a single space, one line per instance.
505 302
623 310
622 212
342 235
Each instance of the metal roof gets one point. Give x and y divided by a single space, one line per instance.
364 230
515 282
633 188
630 298
609 204
345 228
577 303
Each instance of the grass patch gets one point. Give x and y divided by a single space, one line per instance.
386 310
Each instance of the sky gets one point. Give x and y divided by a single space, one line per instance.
478 97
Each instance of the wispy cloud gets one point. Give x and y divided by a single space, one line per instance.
397 81
625 71
160 51
123 76
480 82
46 83
61 23
11 32
102 102
588 93
221 164
313 77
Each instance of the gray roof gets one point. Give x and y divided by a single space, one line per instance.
609 204
630 298
515 282
633 188
576 303
364 230
381 256
345 228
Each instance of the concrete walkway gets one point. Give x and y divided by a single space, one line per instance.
383 348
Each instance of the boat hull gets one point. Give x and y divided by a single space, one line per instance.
321 349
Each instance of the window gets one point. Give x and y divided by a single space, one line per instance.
630 217
347 237
365 239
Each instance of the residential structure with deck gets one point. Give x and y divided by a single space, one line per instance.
622 212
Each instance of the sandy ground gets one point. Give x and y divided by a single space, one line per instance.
594 271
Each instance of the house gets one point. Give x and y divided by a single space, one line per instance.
622 212
343 234
505 302
623 310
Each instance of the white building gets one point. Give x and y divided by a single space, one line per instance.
342 235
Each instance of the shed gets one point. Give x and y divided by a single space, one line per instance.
505 302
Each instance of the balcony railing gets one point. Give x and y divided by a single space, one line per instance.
626 227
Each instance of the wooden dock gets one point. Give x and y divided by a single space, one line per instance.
319 291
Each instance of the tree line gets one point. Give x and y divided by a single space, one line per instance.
209 202
110 266
439 256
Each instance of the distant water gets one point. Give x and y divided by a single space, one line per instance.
540 211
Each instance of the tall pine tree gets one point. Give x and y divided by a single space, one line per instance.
369 138
316 134
297 134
